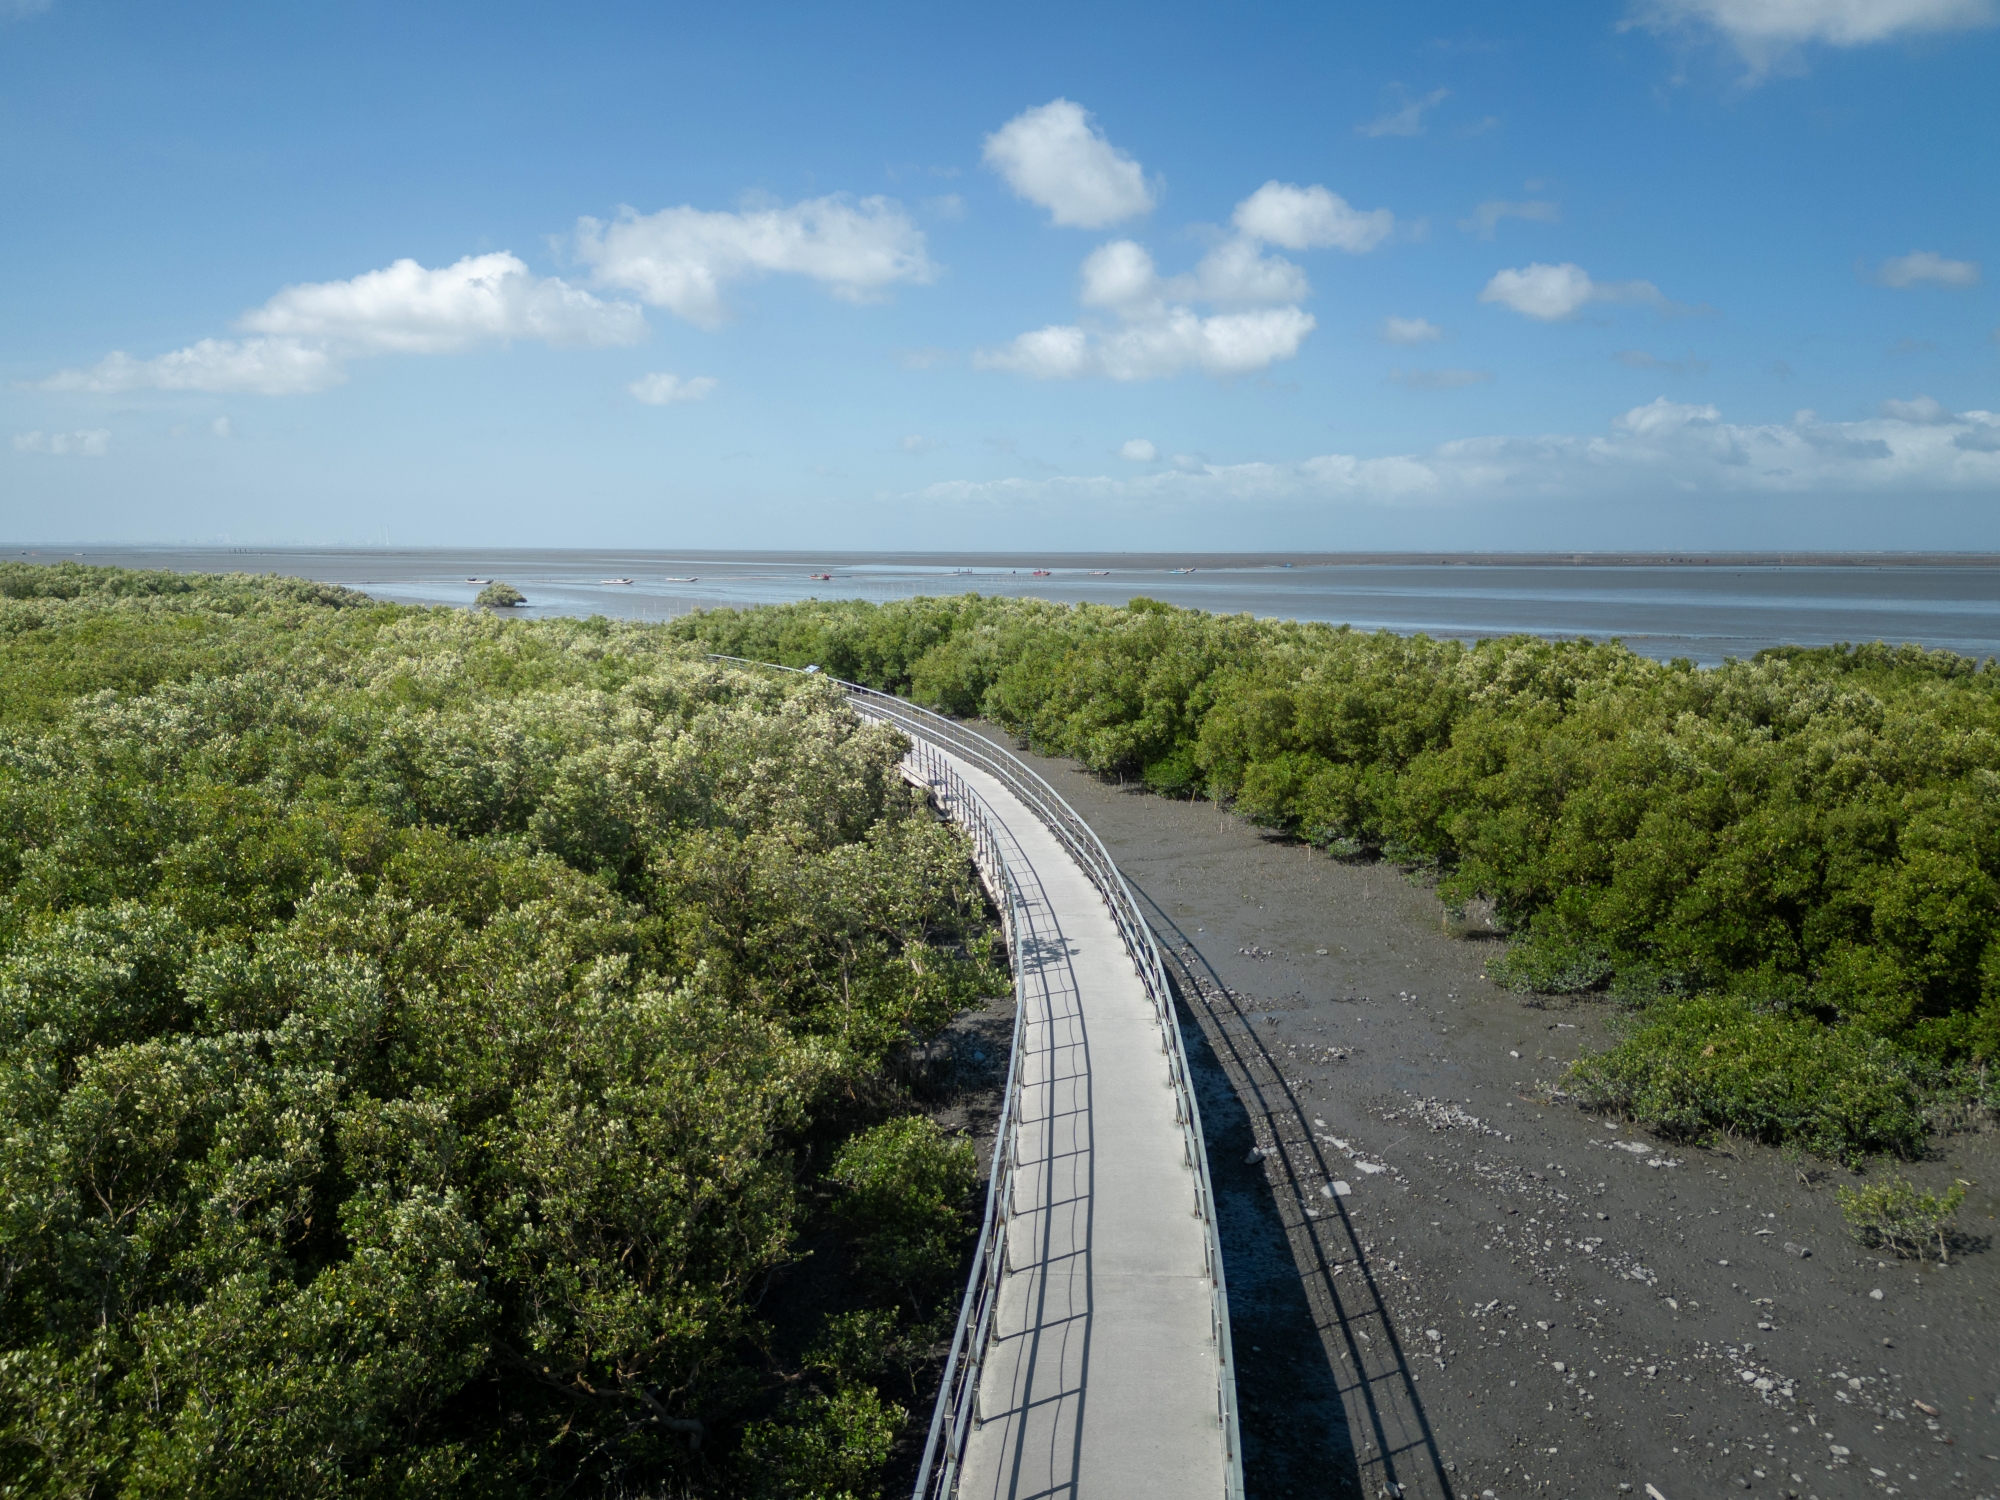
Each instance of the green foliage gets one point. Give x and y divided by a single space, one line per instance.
1813 836
1699 1067
906 1186
1894 1214
828 1447
411 1025
498 595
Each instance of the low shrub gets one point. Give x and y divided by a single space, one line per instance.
1697 1068
1894 1214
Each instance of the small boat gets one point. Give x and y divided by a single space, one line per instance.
1100 572
683 580
1180 570
478 580
1041 573
614 580
822 578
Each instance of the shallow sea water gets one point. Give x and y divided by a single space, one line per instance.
1706 611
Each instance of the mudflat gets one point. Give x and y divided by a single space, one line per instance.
1445 1279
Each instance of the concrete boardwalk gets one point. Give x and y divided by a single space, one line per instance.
1101 1377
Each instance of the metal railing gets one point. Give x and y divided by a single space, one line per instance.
950 1422
958 1384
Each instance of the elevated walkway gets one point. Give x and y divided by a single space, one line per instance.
1092 1358
1101 1374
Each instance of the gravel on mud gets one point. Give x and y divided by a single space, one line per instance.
1446 1280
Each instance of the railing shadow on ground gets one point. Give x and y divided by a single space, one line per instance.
1375 1430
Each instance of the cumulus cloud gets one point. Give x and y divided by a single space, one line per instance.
1410 331
1926 411
1661 448
1055 157
1174 340
682 258
1256 318
1138 450
264 367
93 442
1311 218
1764 31
1438 380
1927 268
1486 218
664 389
300 337
221 428
1553 293
407 308
1409 120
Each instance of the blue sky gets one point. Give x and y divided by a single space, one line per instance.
1667 273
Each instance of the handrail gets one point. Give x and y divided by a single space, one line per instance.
1089 852
959 1381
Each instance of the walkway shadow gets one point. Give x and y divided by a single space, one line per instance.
1328 1403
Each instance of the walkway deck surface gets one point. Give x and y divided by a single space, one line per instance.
1101 1378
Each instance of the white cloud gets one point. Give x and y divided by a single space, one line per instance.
1926 411
1281 213
1662 448
265 367
1409 120
1159 333
1119 274
407 308
221 428
681 258
917 443
1486 218
1764 31
1553 293
1236 271
1927 267
1177 339
1053 156
1410 331
1139 450
1438 380
301 336
663 389
92 443
22 9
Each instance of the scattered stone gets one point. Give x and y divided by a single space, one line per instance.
1797 1250
1336 1189
1876 1295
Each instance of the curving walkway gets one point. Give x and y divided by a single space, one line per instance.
1100 1375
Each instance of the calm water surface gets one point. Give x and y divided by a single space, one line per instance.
1704 612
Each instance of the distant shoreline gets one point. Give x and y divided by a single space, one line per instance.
87 552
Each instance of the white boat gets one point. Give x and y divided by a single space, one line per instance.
614 580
